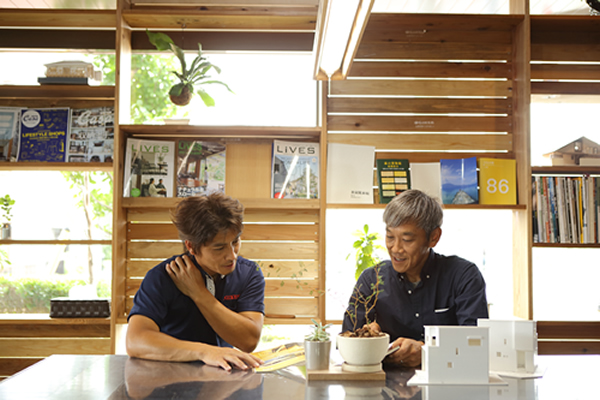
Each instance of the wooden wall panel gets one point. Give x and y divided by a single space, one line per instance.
425 69
423 124
421 105
430 87
431 142
248 170
44 347
565 55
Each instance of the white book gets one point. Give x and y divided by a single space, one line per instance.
561 211
426 177
350 173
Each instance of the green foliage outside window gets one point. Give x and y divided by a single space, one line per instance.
30 295
151 80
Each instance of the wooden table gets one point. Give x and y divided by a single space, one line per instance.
77 377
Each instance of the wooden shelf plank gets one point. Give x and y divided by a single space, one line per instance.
225 18
56 166
52 242
572 245
44 18
445 206
44 319
171 202
241 132
76 92
567 170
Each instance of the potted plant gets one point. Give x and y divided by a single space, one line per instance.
6 204
363 349
317 347
190 79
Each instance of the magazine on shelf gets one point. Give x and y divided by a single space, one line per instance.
426 177
9 132
43 134
200 167
350 173
149 168
280 357
459 181
498 181
392 178
92 135
295 170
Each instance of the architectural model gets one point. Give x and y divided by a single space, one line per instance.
512 345
456 355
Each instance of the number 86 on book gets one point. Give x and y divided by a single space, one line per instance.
497 181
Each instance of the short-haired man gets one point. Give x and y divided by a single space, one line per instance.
201 304
420 287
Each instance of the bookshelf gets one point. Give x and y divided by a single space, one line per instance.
514 40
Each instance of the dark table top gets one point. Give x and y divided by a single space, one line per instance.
65 377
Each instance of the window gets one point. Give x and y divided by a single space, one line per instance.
54 250
481 236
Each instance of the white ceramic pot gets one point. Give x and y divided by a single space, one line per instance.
363 351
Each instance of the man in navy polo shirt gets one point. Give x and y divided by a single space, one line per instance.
206 304
420 287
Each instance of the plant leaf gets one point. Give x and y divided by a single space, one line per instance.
160 40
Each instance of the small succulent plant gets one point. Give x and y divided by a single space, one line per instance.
319 332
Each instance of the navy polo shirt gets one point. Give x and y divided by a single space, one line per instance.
177 315
451 292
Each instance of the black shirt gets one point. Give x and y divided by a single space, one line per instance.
451 292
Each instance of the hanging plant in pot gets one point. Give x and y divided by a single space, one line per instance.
190 79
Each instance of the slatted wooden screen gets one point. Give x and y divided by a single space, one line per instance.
426 87
24 342
565 60
565 55
283 242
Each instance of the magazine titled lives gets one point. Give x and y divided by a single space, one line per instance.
149 168
295 170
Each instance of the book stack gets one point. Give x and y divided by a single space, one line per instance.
566 209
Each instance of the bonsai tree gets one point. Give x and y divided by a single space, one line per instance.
191 78
6 204
319 332
364 303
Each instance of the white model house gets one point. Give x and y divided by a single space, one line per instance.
455 355
513 345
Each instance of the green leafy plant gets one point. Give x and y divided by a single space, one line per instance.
364 250
319 332
191 78
6 204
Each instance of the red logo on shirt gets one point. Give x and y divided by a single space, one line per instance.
231 297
